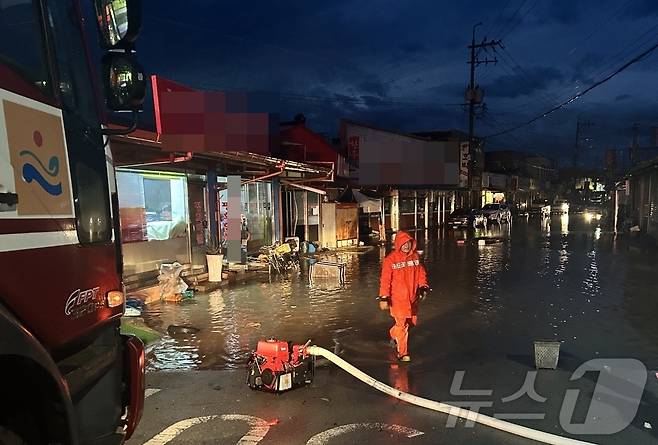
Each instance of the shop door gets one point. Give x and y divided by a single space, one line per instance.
198 223
313 216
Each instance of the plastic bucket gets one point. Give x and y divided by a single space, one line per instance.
215 263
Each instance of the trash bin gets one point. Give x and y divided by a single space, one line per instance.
547 354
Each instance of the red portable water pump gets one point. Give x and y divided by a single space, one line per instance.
279 366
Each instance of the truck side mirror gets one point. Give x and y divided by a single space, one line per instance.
124 82
119 22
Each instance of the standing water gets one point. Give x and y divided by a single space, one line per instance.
562 279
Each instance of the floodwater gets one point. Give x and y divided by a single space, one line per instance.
565 279
493 294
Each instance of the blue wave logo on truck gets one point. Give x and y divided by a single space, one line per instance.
32 173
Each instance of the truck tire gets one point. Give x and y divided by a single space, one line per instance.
19 429
8 437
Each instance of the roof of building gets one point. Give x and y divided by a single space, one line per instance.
385 130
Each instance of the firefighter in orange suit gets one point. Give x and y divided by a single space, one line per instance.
403 283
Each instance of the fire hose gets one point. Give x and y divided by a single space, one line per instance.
529 433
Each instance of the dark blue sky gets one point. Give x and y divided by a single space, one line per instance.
402 64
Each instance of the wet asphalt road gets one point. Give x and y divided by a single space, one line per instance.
564 279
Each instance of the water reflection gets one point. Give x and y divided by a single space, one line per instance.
524 283
564 223
492 259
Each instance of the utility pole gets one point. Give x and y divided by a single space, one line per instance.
635 144
474 96
580 125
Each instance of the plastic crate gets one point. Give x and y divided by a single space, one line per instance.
547 354
327 270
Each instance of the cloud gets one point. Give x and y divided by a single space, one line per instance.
373 87
643 9
414 47
525 83
562 12
368 52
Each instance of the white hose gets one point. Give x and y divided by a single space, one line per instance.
539 436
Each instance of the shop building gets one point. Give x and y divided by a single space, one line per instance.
303 200
418 176
166 205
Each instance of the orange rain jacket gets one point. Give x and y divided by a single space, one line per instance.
402 275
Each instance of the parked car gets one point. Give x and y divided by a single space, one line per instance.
592 213
540 207
561 207
479 219
497 212
576 209
467 218
518 208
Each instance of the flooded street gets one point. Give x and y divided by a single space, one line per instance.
564 280
493 294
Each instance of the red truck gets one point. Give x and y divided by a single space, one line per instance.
68 375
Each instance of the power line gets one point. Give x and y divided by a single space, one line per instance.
521 19
495 23
581 94
598 27
528 79
510 20
633 46
609 62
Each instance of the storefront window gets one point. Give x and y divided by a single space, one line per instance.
257 209
152 205
387 205
407 205
157 200
154 219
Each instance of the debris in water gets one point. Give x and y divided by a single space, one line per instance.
174 329
132 312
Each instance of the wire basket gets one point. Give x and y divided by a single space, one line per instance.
547 354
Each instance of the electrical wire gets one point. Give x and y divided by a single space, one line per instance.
527 79
515 25
598 27
510 21
609 62
506 53
582 93
493 25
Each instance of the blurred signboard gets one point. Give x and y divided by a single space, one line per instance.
463 164
392 158
213 121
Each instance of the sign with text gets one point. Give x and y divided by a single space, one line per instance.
464 157
213 121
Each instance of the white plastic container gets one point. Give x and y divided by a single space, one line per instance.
215 263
